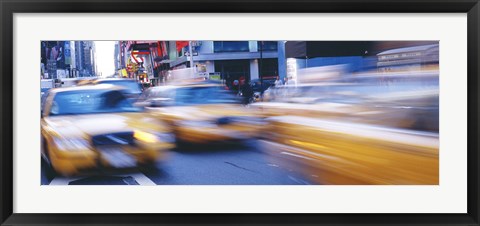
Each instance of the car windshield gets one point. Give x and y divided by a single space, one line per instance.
203 95
90 102
132 86
191 95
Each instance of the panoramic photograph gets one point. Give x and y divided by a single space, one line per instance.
248 112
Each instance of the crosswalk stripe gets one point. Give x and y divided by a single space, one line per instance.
140 178
63 180
137 176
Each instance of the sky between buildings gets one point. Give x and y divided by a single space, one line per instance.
105 59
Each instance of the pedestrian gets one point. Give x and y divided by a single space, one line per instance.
278 82
247 93
235 86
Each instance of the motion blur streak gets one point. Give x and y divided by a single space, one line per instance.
348 113
360 158
367 128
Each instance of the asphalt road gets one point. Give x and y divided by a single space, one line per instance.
248 164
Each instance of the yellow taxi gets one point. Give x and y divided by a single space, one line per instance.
202 113
367 130
96 127
336 152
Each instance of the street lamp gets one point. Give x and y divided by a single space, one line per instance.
190 52
261 68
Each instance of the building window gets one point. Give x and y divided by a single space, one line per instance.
230 46
180 53
267 45
231 70
269 68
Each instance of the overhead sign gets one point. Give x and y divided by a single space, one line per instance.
136 59
196 43
123 73
215 77
186 53
66 52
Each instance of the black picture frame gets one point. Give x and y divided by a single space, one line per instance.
9 7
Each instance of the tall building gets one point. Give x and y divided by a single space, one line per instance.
85 58
121 56
73 64
88 58
56 59
79 57
94 60
116 56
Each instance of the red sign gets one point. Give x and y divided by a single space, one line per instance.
181 44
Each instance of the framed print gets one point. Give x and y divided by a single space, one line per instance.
252 113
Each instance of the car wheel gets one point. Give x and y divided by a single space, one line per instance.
50 173
179 142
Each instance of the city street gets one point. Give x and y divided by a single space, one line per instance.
348 113
248 164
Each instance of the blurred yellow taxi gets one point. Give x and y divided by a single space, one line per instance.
364 130
406 100
201 113
335 152
90 127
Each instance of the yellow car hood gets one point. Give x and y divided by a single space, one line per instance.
94 124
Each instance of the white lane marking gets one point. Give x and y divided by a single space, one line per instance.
273 165
140 178
63 180
295 155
